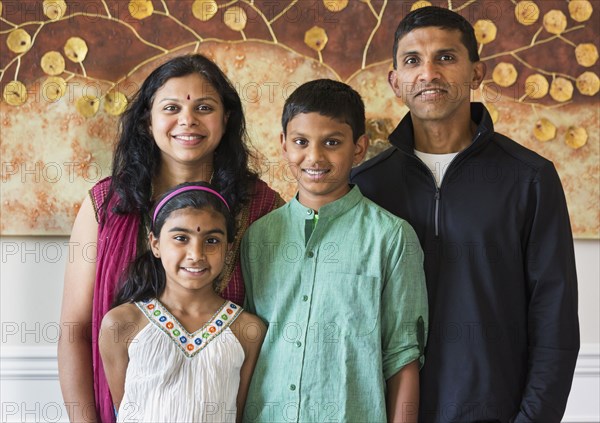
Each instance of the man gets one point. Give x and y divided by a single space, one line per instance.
492 219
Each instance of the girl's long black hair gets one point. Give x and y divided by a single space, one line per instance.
145 277
137 157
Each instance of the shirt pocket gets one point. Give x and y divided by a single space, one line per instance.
354 303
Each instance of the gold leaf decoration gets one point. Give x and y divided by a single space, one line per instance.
419 4
235 18
204 10
527 12
54 9
576 137
15 93
316 38
536 86
485 31
505 74
561 90
53 63
53 88
18 41
580 10
76 49
544 130
335 5
588 83
88 106
141 9
586 54
115 103
555 22
493 111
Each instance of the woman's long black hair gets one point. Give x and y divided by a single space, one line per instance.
145 277
137 157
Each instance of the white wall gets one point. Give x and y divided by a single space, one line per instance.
31 275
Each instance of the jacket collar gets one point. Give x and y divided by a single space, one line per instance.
403 137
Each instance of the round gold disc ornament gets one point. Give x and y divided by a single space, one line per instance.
88 106
204 10
54 9
576 137
53 63
75 49
15 93
115 103
536 86
485 31
18 41
555 22
53 88
335 5
140 9
527 12
235 18
544 130
586 54
588 83
561 90
316 38
580 10
505 74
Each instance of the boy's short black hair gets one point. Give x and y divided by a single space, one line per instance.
329 98
441 18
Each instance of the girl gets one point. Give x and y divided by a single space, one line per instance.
185 124
174 350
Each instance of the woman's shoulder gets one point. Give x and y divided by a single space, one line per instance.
98 194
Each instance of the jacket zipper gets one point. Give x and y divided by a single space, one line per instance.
438 190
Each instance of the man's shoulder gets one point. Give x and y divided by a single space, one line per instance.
385 157
519 152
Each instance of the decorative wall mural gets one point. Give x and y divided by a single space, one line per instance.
68 68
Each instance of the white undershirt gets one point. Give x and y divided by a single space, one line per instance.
437 163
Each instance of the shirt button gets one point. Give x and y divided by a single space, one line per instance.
298 344
308 211
305 298
292 387
310 254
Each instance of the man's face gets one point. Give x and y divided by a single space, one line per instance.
434 76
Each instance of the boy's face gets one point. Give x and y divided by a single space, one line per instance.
435 76
321 152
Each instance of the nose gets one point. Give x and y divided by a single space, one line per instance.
429 72
187 117
314 154
196 251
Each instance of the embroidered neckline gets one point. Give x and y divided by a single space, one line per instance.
189 343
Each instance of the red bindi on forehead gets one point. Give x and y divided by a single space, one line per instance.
198 229
188 96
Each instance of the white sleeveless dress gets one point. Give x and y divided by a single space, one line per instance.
175 376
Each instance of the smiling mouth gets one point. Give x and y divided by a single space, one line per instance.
194 269
430 92
189 138
316 173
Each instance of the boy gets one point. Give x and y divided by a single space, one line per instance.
495 229
338 280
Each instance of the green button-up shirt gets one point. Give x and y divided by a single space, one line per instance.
346 308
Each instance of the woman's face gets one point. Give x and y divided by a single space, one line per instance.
187 121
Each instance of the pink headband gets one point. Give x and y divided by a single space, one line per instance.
184 189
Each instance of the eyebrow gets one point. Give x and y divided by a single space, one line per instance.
190 231
200 99
441 51
330 134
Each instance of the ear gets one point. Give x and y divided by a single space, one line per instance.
154 245
360 149
283 145
393 81
479 70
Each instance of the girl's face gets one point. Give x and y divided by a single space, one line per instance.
192 246
188 120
